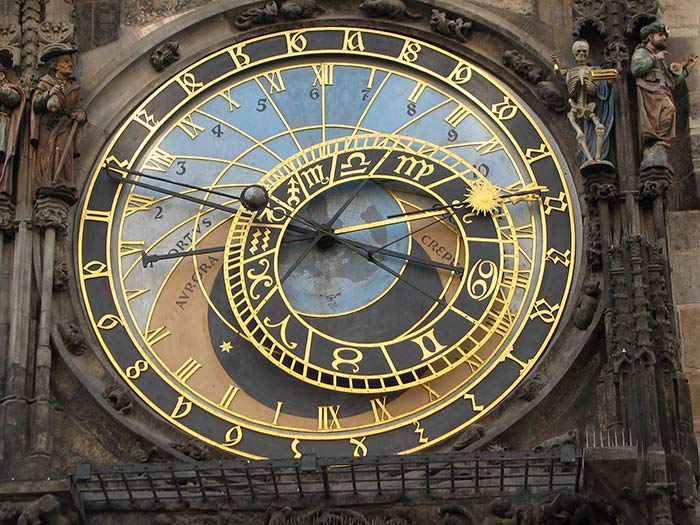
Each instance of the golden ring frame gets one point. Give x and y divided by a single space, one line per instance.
137 338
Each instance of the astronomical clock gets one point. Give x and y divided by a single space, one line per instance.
337 240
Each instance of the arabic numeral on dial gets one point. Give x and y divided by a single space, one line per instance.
365 93
314 93
159 212
482 279
217 131
262 104
134 372
452 135
410 109
182 167
484 170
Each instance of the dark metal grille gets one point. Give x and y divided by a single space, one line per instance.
258 482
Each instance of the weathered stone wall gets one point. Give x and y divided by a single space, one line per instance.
683 18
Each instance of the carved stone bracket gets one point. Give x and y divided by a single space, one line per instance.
456 28
51 212
164 55
654 182
394 9
601 184
7 216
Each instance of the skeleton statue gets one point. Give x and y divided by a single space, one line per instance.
591 100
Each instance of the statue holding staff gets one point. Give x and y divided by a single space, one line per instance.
57 119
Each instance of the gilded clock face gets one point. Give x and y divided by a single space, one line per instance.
335 241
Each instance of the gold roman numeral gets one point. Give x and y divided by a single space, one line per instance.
457 115
189 126
159 160
137 202
417 92
155 335
379 410
232 104
274 78
328 417
324 74
187 370
228 397
130 247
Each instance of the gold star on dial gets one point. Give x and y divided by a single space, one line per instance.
226 346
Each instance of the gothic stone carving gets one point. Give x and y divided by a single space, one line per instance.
256 15
50 212
193 449
7 217
270 12
522 66
60 274
118 398
531 387
472 434
72 337
298 9
567 438
586 305
394 9
48 510
501 513
164 55
588 13
454 28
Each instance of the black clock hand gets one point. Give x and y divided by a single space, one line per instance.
367 255
340 211
372 250
172 193
255 200
147 259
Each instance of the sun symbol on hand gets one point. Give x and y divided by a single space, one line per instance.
484 197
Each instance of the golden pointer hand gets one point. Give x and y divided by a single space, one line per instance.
424 214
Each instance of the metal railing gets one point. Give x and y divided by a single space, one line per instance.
257 483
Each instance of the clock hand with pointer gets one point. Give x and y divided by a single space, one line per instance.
255 198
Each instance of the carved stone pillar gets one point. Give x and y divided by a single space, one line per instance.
50 215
